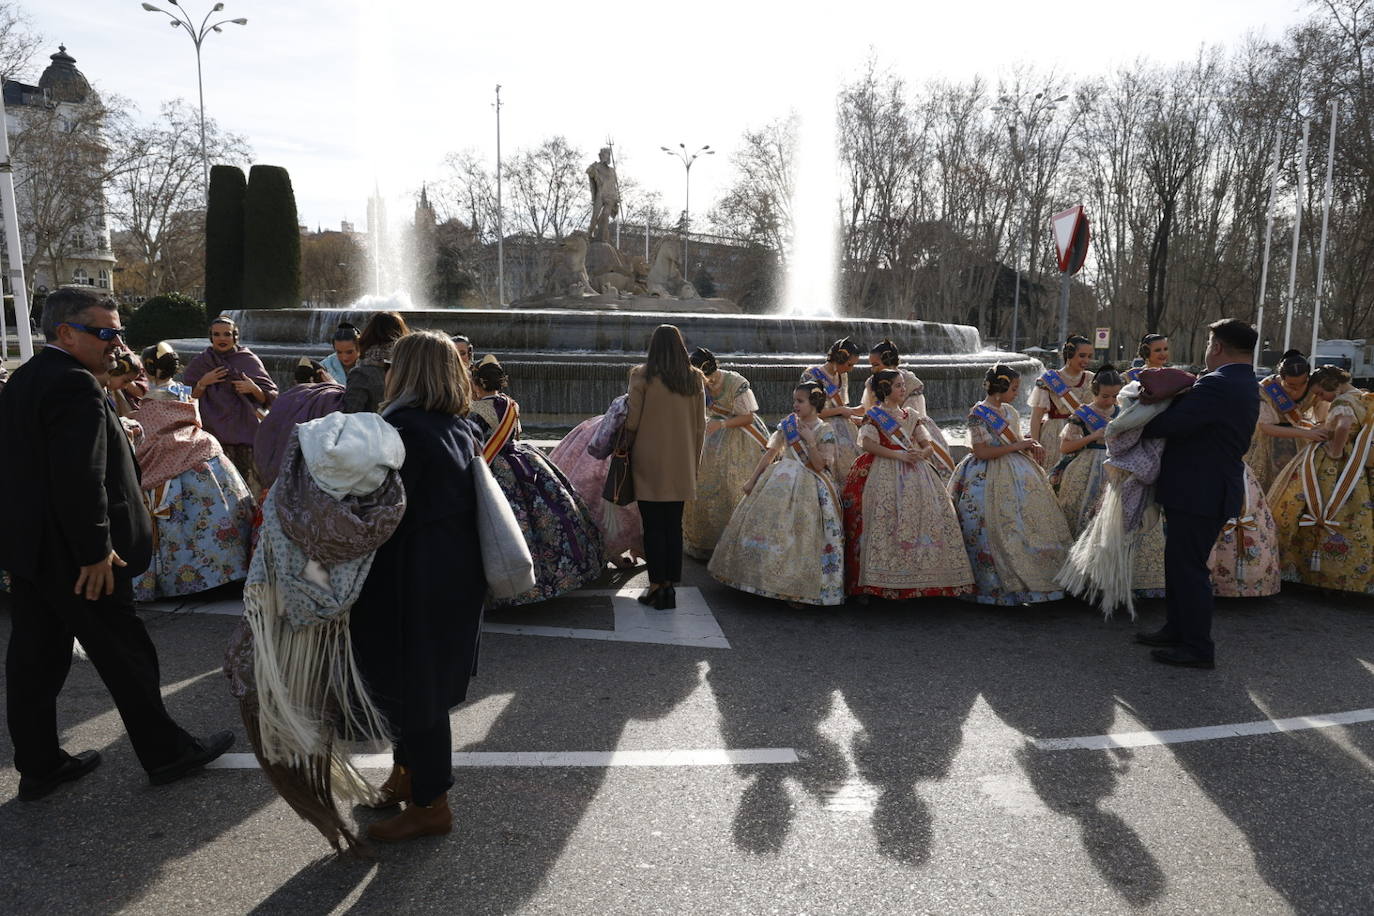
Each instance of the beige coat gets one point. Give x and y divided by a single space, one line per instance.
669 429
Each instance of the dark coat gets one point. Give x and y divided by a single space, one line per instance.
417 622
70 480
366 388
1209 430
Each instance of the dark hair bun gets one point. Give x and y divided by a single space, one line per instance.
160 366
843 350
1106 374
881 383
887 354
490 376
815 394
704 360
999 379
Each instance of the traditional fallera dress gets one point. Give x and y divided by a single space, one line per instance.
845 429
202 510
728 459
1014 531
1269 454
786 538
1080 496
1323 508
563 538
1060 394
902 537
942 460
621 528
1245 560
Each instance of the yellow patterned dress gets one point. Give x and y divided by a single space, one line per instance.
785 539
728 459
1269 454
1245 560
846 429
1058 410
1323 509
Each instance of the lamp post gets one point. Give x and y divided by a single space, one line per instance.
182 20
1011 107
687 159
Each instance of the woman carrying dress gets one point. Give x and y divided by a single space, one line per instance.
902 538
785 539
622 533
1014 531
885 356
563 539
1286 420
833 376
1058 393
202 510
735 437
1321 500
1154 350
346 352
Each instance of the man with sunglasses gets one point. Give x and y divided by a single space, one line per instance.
78 536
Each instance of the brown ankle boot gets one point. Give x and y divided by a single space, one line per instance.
434 819
395 790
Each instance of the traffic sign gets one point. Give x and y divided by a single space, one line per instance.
1071 238
1102 339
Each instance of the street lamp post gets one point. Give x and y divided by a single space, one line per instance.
182 20
687 159
1011 106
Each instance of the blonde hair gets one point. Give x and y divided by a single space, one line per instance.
426 366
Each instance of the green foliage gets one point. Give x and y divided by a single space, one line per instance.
224 239
166 317
271 241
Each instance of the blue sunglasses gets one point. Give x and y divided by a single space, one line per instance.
105 334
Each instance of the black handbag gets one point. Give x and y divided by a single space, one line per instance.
620 482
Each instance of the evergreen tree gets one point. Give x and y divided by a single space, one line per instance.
271 241
224 239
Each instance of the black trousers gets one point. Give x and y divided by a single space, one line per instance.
662 539
1188 543
45 620
428 754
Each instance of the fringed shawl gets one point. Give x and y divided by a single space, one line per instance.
173 441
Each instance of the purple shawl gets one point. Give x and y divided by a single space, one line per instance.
231 417
298 404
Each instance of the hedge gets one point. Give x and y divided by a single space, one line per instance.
271 241
224 239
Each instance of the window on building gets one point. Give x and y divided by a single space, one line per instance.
79 240
80 277
103 280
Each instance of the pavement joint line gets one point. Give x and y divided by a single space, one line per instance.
1204 733
698 757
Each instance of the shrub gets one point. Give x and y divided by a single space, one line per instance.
166 317
224 239
271 241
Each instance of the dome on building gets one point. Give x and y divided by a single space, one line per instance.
63 81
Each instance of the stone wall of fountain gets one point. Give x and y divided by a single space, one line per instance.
568 365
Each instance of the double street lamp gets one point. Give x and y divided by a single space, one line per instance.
182 20
687 159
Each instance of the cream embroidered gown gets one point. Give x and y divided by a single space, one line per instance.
916 400
845 429
1058 411
728 459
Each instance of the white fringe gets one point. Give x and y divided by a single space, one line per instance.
1101 564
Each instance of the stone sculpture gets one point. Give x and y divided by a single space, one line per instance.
567 274
605 195
665 278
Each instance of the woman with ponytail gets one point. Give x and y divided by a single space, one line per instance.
346 352
1014 531
1058 393
785 539
833 377
886 356
902 538
202 509
735 437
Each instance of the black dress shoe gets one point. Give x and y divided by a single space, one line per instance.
647 596
1181 659
665 599
32 788
1160 637
197 756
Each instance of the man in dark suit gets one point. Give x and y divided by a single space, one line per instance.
78 534
1202 484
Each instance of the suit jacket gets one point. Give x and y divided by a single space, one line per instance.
68 475
1209 430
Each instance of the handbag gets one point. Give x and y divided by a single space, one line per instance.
505 555
619 488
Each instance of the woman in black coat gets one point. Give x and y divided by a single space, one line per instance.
415 626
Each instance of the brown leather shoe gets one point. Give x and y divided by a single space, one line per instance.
434 819
395 790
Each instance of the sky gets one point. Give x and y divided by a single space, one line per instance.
350 93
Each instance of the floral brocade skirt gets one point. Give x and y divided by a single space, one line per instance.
728 459
204 529
1339 558
620 526
1245 560
785 539
563 539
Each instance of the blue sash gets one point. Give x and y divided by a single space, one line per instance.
1282 402
995 421
889 425
1055 384
1091 418
832 390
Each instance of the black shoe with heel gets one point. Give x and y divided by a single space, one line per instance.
665 599
648 595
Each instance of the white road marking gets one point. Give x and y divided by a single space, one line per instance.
691 623
1205 733
706 757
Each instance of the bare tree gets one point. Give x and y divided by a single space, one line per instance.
548 190
18 41
331 268
757 206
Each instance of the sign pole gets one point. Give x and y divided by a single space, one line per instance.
1268 235
1063 306
13 251
1297 231
1326 217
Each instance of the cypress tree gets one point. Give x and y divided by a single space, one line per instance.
271 241
224 239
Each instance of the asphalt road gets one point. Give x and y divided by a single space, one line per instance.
916 788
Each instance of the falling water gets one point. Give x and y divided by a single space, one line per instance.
812 274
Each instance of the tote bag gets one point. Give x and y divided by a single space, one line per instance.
505 555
